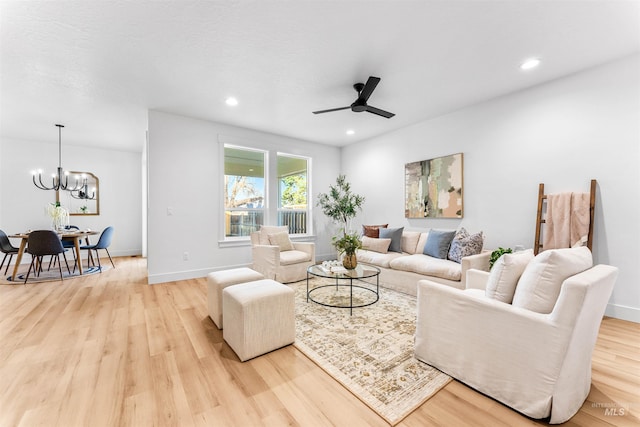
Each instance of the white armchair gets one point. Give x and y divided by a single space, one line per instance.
538 364
277 258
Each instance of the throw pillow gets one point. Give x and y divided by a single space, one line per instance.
265 230
410 241
438 243
505 273
372 230
282 241
395 234
540 283
465 244
376 245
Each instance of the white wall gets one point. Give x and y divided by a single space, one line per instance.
22 205
184 174
562 134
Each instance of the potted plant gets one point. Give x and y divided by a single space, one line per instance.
495 255
348 244
341 205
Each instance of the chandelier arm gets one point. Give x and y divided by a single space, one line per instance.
41 185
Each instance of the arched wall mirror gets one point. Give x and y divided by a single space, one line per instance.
85 201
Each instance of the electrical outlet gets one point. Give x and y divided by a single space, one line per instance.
185 256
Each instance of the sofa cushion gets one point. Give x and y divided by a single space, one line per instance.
265 230
465 244
505 273
429 266
294 257
438 243
376 245
395 234
281 240
372 230
421 242
540 283
410 241
376 258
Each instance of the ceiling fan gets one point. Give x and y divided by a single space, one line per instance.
360 104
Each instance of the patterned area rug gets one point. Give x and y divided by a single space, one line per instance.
369 352
49 275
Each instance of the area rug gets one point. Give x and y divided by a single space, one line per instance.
50 275
369 352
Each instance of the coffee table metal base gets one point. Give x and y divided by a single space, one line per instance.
337 285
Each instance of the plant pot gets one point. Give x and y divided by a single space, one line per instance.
350 261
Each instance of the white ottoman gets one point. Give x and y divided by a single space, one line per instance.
218 280
258 317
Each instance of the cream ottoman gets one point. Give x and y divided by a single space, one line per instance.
258 317
218 280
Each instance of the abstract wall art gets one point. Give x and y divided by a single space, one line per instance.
433 188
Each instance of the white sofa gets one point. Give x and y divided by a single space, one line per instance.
535 361
401 271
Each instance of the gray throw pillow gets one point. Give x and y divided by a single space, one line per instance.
395 234
438 242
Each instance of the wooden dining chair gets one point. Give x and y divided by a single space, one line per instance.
41 243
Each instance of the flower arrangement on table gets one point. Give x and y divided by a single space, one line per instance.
59 215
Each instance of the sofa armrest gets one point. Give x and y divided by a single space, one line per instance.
266 260
478 262
308 247
477 279
255 238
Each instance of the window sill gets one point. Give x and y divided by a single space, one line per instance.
240 242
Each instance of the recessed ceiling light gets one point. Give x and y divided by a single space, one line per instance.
231 101
530 63
350 132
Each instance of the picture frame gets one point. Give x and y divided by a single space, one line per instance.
434 187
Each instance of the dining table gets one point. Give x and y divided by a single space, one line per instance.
73 235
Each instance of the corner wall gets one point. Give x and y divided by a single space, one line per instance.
562 134
184 174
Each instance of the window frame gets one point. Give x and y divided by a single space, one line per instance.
308 210
271 205
265 206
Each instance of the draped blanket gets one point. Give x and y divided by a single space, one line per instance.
567 220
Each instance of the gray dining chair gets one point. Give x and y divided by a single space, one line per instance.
40 244
103 243
67 244
7 249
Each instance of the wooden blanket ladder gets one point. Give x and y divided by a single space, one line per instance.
542 197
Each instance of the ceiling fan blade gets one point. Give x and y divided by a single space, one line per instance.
379 112
369 87
333 109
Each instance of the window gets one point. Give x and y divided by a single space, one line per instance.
244 190
293 203
260 189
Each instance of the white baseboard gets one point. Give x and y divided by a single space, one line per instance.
154 279
623 312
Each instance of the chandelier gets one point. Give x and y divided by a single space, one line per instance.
83 192
60 180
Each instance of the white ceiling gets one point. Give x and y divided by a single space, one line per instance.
98 66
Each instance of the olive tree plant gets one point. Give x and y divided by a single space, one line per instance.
340 204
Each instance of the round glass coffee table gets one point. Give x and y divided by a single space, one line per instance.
368 293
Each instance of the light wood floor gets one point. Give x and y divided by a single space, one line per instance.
110 350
